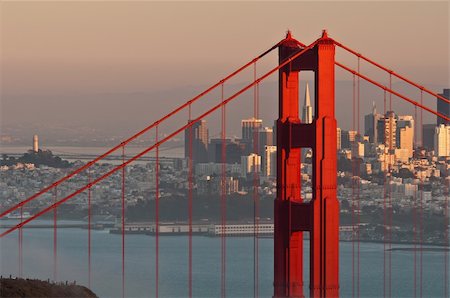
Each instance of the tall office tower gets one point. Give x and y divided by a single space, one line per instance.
370 125
265 139
248 128
405 134
270 161
428 136
250 164
442 141
352 135
35 143
443 108
199 133
215 150
390 130
380 130
339 138
347 138
307 108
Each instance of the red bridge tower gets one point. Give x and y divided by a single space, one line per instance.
320 216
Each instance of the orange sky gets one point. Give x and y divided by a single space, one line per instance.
99 46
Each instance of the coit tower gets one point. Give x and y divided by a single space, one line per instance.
35 143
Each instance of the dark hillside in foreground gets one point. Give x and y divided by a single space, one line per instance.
11 287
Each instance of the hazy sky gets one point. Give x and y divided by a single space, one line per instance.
70 50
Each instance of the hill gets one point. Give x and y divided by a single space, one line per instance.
17 287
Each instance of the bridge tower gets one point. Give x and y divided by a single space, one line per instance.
320 216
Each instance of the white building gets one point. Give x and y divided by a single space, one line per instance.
270 161
338 138
357 150
405 134
402 155
212 168
250 164
442 140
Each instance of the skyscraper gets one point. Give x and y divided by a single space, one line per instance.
347 138
215 149
250 164
428 136
390 130
270 161
442 141
199 134
405 134
307 108
265 139
248 128
443 108
370 125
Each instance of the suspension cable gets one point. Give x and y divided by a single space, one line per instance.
447 118
168 137
146 129
391 72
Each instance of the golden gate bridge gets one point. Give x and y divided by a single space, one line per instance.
292 214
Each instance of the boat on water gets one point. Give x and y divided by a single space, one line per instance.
17 215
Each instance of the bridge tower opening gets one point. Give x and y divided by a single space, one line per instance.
320 216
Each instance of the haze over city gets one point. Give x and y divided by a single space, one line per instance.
114 67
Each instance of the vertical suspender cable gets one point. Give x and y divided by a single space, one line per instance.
223 199
414 208
421 206
21 244
358 177
390 94
446 231
55 235
389 208
389 229
353 190
123 222
384 209
255 189
156 214
190 177
89 227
